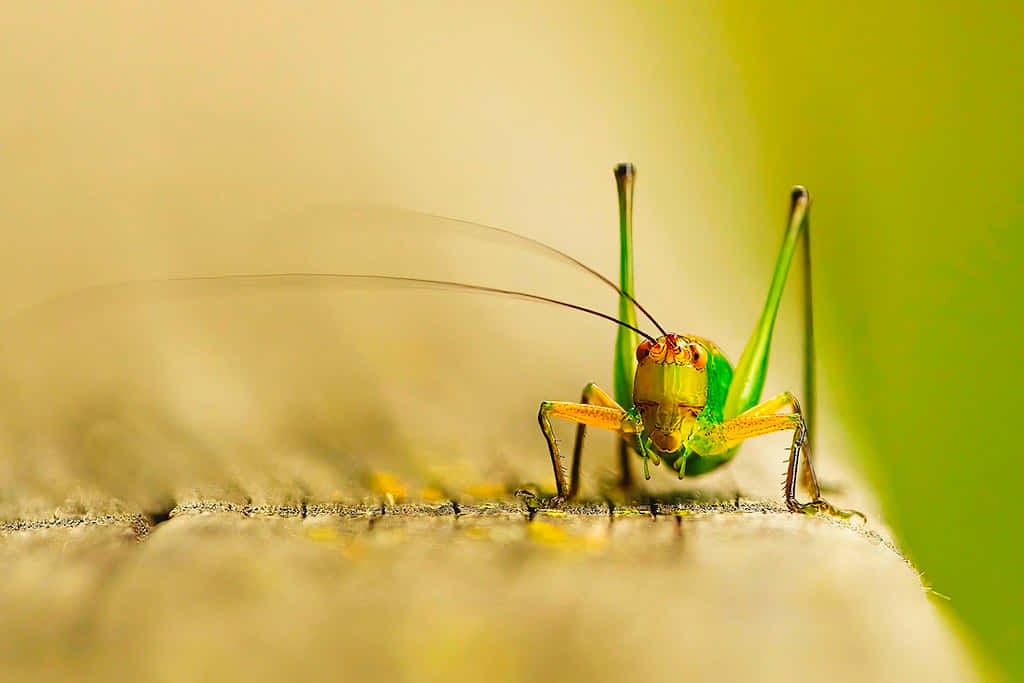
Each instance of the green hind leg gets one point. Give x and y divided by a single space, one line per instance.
625 340
748 378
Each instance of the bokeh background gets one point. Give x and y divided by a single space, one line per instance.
147 140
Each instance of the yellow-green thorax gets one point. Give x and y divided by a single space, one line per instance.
670 388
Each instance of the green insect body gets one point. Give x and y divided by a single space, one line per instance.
688 406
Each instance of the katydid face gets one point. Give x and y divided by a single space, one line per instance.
670 389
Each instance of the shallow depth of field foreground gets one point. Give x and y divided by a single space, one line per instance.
418 592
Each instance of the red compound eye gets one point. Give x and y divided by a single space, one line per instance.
698 358
643 350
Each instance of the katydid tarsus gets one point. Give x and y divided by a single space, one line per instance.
676 398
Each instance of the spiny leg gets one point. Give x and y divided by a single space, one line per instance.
591 395
748 377
760 420
774 405
589 415
810 377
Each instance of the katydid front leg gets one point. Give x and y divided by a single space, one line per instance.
765 419
608 416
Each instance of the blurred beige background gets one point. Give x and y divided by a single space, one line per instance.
155 140
148 140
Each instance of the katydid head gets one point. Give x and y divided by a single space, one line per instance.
670 388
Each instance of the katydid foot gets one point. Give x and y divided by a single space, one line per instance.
821 505
535 502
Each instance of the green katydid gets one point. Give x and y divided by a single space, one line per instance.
687 405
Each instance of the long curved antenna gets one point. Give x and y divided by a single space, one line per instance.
450 284
551 250
396 279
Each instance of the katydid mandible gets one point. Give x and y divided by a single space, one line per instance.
677 399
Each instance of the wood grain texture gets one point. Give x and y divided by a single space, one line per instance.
699 591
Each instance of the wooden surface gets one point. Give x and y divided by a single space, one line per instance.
695 591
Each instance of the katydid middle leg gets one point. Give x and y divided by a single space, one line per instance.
591 395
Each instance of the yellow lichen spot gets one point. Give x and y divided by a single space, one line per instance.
387 485
543 532
322 534
557 536
553 513
486 490
681 513
350 548
432 494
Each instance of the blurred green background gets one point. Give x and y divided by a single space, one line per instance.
146 140
905 119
